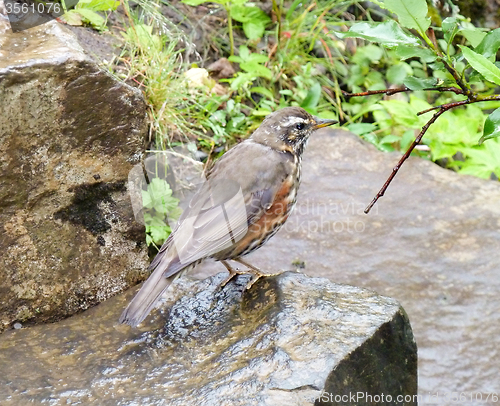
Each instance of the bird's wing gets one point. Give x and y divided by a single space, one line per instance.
222 210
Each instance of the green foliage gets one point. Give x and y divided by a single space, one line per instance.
387 33
411 14
254 20
482 65
468 68
491 126
88 11
252 63
225 122
159 204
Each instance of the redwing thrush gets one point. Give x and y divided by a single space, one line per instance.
248 195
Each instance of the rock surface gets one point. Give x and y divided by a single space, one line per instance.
69 135
290 340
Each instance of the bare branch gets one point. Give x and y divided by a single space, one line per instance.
388 92
404 158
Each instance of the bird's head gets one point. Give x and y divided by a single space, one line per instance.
289 129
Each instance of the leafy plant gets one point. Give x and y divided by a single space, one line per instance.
87 11
159 204
252 63
226 122
453 70
253 18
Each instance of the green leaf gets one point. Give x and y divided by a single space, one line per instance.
261 113
240 13
312 98
402 113
142 34
414 83
257 70
361 128
450 29
387 33
371 138
291 9
411 51
482 65
390 139
440 150
160 196
72 17
244 52
411 13
406 139
489 45
263 91
475 37
491 126
92 18
259 58
253 18
98 5
254 29
482 160
397 73
235 58
157 229
241 80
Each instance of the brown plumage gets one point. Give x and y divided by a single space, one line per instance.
248 195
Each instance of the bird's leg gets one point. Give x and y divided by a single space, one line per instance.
232 273
256 272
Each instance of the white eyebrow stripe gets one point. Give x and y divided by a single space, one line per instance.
293 120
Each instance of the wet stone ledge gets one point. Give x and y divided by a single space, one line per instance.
289 340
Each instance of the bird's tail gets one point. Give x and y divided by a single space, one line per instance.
148 295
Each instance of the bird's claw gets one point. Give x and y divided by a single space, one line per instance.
256 275
255 272
232 274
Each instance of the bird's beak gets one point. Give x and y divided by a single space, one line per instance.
323 122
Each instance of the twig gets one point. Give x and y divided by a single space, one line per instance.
447 106
404 158
388 92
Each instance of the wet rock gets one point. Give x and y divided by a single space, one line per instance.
69 135
290 340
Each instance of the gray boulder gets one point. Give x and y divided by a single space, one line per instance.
69 135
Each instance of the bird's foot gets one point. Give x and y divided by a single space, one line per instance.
232 273
256 273
256 276
252 270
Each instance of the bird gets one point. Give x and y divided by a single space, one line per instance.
248 195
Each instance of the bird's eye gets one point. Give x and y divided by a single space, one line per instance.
300 126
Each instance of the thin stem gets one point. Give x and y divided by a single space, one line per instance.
277 11
390 92
230 28
404 158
